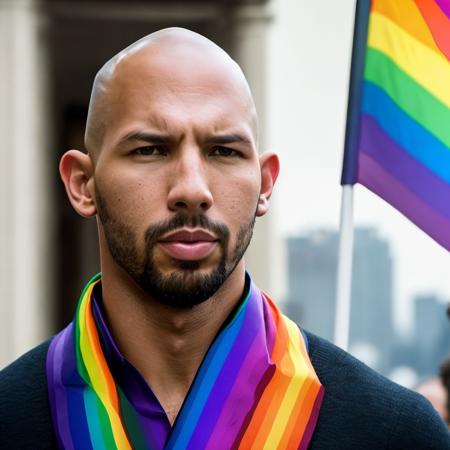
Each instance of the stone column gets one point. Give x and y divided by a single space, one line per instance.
25 197
264 258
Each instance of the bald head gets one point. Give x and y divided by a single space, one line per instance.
172 56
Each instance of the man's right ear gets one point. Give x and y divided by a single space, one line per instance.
77 173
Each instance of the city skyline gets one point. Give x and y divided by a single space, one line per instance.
373 336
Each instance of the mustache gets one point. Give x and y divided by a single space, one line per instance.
182 219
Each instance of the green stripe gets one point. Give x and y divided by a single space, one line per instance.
81 368
79 359
131 421
410 96
105 426
97 416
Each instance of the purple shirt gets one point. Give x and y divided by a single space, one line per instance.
150 413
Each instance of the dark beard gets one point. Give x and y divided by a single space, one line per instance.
184 288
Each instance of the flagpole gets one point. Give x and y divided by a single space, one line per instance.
350 176
344 270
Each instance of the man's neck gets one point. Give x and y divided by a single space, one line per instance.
165 344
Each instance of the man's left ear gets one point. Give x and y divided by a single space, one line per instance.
270 167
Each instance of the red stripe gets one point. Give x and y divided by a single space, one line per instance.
438 23
445 6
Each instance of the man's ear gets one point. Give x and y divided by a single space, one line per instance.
77 171
270 166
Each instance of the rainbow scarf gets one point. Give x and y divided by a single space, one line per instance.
256 387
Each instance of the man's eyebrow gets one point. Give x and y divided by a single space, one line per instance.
228 139
161 138
153 138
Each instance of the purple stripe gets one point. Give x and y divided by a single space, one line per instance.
241 399
256 370
270 328
445 6
220 397
378 180
69 374
57 391
310 427
395 160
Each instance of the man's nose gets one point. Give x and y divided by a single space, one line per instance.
189 184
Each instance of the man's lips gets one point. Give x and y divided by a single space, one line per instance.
189 245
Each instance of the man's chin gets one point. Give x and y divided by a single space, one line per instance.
184 287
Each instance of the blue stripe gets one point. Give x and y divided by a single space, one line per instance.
405 131
78 425
203 384
90 400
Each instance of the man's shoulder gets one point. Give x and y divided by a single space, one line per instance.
24 406
26 368
335 366
368 409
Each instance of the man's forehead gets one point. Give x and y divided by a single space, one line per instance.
203 123
169 62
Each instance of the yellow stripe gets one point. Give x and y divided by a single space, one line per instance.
429 69
119 432
98 381
407 16
292 393
95 375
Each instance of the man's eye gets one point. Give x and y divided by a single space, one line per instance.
223 151
151 150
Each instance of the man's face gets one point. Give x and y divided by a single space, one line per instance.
177 180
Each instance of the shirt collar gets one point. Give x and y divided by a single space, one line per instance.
126 375
111 351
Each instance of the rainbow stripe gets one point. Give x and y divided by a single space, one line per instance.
256 387
398 133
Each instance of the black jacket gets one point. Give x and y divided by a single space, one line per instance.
361 409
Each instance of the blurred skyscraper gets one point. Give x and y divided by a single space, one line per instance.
372 301
312 280
312 261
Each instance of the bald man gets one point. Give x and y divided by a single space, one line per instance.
172 346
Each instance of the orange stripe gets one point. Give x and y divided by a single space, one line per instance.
273 394
274 399
303 419
407 16
301 413
298 412
299 417
100 358
292 428
438 23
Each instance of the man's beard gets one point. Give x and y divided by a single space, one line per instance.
183 288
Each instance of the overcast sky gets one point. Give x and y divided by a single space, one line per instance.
310 45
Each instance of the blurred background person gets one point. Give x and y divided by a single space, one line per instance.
444 374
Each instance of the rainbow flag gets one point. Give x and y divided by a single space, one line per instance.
398 122
256 388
